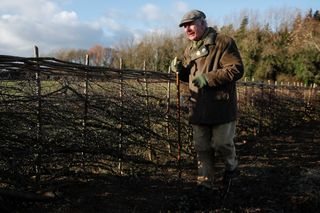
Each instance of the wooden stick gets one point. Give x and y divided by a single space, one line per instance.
178 122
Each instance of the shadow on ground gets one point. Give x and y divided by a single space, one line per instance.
277 174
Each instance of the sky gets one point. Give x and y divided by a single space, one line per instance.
53 25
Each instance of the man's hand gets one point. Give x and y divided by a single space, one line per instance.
176 65
200 81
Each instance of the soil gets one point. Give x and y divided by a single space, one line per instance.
278 173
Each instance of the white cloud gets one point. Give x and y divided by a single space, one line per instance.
25 23
181 6
155 18
33 9
151 12
65 17
110 24
6 16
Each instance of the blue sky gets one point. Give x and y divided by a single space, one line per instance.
58 24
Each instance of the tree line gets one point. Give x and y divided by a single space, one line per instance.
288 52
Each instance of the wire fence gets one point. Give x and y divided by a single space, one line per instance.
61 119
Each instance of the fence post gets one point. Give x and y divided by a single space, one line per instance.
252 93
121 124
146 93
168 111
39 118
85 91
261 109
246 92
310 90
85 116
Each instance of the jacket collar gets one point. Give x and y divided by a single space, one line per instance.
200 49
208 38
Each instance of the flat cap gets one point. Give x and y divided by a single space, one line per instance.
191 16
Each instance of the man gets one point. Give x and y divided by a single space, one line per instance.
212 65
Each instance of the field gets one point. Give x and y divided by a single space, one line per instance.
76 138
277 174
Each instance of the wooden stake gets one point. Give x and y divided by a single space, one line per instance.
178 123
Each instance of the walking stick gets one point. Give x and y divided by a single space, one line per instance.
178 120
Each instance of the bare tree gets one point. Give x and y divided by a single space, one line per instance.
101 56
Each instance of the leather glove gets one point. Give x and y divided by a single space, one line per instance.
176 65
200 81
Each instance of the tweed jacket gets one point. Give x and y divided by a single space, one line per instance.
218 58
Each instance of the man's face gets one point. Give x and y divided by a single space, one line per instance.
194 30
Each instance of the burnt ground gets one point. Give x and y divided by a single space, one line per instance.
276 174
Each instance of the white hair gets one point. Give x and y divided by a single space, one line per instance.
203 22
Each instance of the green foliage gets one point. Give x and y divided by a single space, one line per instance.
228 30
251 48
306 66
316 15
243 27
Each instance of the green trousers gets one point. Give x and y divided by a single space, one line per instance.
212 141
